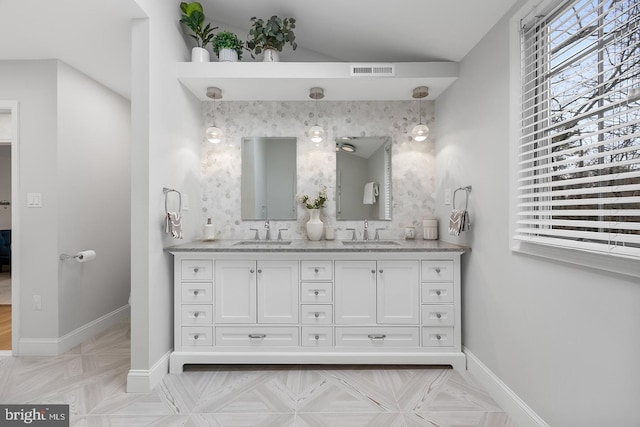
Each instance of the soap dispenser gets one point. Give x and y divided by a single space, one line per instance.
208 232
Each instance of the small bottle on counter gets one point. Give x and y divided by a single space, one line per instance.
430 228
208 232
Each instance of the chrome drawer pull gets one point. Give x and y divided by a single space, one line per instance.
317 337
438 293
317 315
377 336
257 336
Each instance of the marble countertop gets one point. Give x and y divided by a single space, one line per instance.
302 245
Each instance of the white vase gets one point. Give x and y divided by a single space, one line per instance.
227 55
199 54
314 225
271 55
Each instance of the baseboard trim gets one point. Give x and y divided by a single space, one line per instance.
57 346
513 405
145 380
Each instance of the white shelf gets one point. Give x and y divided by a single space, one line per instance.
291 81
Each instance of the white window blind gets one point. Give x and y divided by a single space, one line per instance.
579 149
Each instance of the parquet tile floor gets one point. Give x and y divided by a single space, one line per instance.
91 378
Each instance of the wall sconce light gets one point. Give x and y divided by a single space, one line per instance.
420 131
316 133
213 133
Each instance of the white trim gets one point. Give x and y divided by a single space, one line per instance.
12 107
57 346
145 380
513 405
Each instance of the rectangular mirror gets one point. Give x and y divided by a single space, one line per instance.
268 178
363 178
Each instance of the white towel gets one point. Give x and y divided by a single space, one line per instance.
459 221
174 225
370 193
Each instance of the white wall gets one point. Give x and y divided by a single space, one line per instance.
165 153
94 197
33 84
563 338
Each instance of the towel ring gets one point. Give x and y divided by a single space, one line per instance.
467 190
166 199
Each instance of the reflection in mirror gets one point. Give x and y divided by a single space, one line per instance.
363 178
268 178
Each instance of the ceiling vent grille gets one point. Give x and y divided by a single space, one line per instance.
373 70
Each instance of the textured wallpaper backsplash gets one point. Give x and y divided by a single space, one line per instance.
413 163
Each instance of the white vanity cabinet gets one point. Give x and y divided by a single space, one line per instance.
317 306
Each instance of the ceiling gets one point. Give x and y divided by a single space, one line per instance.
94 37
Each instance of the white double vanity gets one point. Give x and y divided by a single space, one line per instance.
325 302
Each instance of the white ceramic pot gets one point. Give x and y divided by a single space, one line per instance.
271 55
228 55
314 225
199 54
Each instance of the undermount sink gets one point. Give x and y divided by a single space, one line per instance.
370 242
263 242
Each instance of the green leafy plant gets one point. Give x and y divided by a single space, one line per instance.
227 40
193 18
317 202
272 34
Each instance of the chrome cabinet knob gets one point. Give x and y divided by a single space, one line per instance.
317 337
438 337
259 271
316 270
316 292
381 271
195 270
317 315
196 292
438 270
196 336
373 272
251 270
196 314
439 316
438 293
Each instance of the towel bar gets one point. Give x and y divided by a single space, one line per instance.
467 190
166 198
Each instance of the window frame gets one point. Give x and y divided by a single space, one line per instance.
598 261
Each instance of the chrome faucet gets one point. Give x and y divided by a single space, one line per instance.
267 225
365 233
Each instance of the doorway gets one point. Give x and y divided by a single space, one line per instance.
8 225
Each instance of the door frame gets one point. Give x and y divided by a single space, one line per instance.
11 106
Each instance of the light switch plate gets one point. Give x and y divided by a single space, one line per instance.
34 200
447 196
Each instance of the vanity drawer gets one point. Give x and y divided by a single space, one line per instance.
317 314
437 293
437 315
257 336
437 337
316 270
317 292
197 336
197 293
437 271
376 336
197 269
197 314
317 336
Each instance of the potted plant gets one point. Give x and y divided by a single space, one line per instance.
227 46
193 18
271 36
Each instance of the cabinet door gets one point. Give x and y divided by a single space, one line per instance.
235 291
278 285
398 291
355 292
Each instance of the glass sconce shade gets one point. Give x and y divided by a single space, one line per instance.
214 135
420 132
316 133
